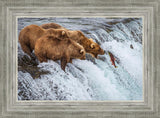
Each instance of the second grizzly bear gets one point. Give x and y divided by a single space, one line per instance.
48 47
89 45
29 35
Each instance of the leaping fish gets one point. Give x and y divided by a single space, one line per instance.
112 59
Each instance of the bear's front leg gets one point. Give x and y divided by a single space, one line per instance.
26 49
64 61
96 55
70 61
41 58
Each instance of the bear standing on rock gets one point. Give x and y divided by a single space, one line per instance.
29 35
48 47
89 45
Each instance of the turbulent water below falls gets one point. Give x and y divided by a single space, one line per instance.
90 79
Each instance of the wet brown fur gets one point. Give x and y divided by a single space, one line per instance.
80 38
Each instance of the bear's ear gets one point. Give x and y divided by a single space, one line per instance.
92 45
81 51
91 39
63 33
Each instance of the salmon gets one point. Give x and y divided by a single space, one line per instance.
112 59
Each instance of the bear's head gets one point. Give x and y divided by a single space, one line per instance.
94 49
76 50
89 45
57 33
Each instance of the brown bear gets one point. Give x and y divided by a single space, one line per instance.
49 47
89 45
29 35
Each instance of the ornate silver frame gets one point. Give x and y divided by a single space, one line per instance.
149 10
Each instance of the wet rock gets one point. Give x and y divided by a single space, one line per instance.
34 71
26 64
131 46
109 30
102 58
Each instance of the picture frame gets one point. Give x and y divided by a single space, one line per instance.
10 107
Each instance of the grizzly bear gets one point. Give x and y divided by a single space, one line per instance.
29 35
49 47
89 45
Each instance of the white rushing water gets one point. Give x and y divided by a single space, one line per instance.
90 79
